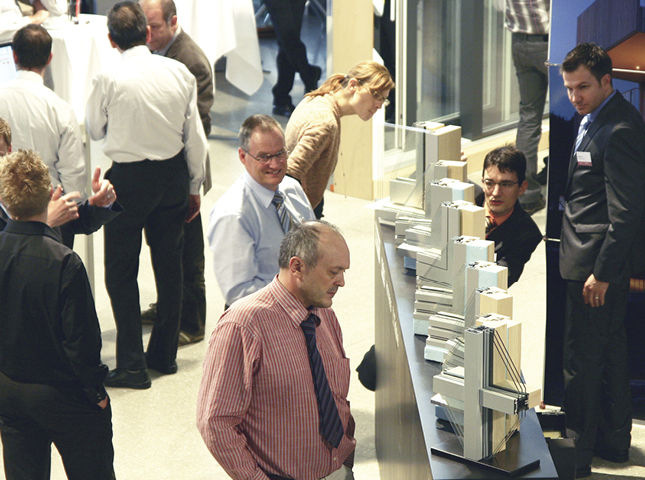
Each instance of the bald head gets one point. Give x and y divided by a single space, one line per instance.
162 19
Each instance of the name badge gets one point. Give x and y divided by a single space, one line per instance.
583 159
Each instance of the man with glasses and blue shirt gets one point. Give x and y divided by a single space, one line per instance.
249 221
512 229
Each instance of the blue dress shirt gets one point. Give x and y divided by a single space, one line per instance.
244 234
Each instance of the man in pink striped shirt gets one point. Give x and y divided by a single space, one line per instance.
258 408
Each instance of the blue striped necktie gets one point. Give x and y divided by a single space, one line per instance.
331 427
582 130
283 214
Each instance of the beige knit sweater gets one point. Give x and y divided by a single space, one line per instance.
313 136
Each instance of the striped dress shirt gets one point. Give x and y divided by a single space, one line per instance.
528 16
257 409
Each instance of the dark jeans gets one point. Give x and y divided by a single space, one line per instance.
286 16
529 54
597 396
154 196
33 416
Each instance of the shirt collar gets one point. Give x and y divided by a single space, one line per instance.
164 50
137 51
29 76
293 307
31 228
263 194
592 116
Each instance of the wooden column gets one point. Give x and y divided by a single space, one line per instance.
350 39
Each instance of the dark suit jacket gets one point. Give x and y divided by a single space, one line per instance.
185 50
605 201
515 240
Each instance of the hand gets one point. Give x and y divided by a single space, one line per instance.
193 207
464 157
39 17
104 194
593 291
62 208
104 403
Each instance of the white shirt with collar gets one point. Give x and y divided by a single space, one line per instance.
145 107
42 121
245 234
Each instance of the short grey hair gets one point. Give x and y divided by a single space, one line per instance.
302 242
259 121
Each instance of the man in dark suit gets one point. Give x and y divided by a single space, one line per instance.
605 201
168 39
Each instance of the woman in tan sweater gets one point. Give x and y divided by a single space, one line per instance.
313 132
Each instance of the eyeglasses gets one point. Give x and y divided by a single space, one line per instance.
267 157
504 184
379 98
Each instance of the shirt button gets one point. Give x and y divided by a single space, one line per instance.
335 458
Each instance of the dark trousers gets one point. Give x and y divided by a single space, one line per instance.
154 196
33 416
597 396
286 16
193 308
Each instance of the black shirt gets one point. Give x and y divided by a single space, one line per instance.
515 240
49 331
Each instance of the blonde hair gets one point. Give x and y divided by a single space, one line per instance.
5 131
369 74
24 184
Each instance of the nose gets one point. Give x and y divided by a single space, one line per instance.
341 280
496 189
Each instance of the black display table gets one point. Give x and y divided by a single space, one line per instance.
406 426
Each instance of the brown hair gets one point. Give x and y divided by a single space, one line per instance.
370 74
24 184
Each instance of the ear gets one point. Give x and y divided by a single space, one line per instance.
173 21
147 34
523 187
242 155
296 266
114 45
605 81
49 59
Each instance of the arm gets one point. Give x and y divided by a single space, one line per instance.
62 208
96 110
234 258
314 140
224 398
204 78
81 331
624 170
195 145
70 158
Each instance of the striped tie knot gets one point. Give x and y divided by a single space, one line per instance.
331 428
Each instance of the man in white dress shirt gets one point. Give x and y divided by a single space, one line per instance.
145 110
43 122
245 228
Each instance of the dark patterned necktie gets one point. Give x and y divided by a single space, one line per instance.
582 131
490 224
283 214
331 427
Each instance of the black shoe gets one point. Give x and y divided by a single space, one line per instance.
612 455
186 338
283 110
166 369
584 471
123 378
541 176
531 208
149 317
317 74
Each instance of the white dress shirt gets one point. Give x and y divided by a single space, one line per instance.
245 234
41 121
146 108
